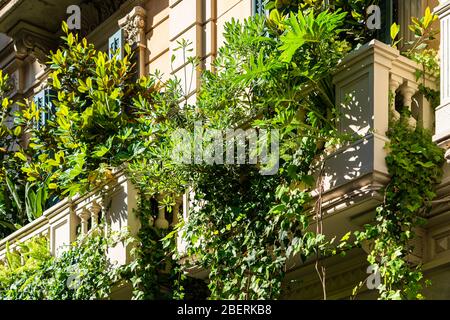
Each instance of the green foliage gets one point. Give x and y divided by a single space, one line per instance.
20 202
82 272
271 74
423 31
415 165
150 271
304 29
418 50
246 226
9 168
92 130
353 12
23 269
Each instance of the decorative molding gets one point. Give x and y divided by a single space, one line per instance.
134 26
440 244
340 283
32 40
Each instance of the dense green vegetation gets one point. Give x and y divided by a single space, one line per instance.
271 73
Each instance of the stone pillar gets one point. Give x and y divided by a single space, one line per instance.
394 84
407 10
408 91
442 136
84 216
95 211
161 221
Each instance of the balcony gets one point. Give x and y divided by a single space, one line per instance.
62 224
367 83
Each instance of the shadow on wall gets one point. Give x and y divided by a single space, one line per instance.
117 209
355 158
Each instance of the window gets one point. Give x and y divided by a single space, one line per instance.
116 43
43 101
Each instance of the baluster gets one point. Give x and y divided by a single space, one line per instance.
408 91
177 210
394 84
84 215
161 222
95 210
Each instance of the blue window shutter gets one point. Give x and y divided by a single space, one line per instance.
39 100
43 100
116 43
258 7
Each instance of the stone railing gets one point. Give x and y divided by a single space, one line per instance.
113 204
372 85
62 224
166 218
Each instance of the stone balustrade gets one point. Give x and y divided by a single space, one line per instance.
166 217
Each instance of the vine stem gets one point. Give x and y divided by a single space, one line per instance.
320 269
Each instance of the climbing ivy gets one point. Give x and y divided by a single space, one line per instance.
269 75
415 165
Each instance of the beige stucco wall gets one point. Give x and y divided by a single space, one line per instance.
199 21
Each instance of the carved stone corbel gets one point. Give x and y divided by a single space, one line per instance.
134 26
33 41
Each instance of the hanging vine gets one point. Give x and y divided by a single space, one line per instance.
415 165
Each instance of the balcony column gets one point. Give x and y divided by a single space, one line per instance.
84 215
408 91
177 210
161 222
442 114
394 84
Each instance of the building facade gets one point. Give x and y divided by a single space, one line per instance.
354 175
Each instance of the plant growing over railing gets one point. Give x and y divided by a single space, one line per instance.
419 51
271 74
81 272
415 165
22 268
248 225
